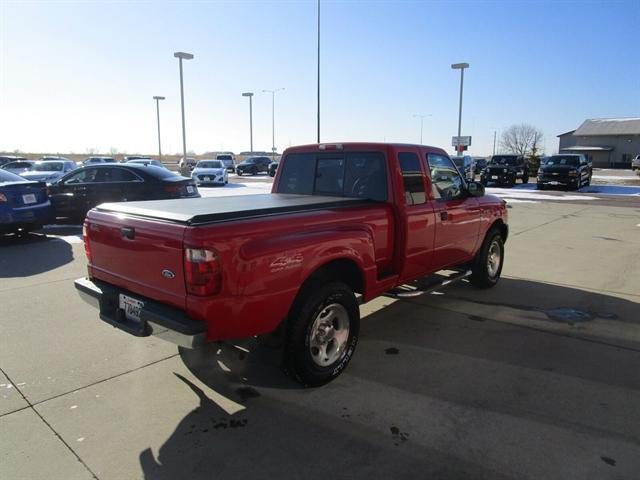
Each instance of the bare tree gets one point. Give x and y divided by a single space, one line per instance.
522 139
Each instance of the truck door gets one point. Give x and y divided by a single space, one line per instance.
419 228
457 214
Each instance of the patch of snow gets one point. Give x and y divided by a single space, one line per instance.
514 200
526 193
613 190
614 177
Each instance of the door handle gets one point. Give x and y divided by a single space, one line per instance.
444 215
128 232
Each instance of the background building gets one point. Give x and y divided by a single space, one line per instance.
608 142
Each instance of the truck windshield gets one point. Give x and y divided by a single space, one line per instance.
562 160
351 174
504 160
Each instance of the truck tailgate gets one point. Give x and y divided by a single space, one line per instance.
139 255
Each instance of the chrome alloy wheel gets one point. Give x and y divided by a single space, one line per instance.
494 258
329 334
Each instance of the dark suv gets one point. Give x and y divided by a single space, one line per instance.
569 170
505 170
253 165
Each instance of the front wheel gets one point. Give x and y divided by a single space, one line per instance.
487 266
239 173
322 333
525 179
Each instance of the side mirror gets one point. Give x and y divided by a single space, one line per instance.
476 189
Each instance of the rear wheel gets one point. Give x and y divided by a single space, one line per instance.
487 266
322 333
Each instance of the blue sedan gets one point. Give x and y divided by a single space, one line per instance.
24 204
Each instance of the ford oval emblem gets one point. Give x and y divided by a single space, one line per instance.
168 274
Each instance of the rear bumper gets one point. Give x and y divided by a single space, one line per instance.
27 216
167 323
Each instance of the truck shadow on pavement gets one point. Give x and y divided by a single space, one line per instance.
393 412
31 254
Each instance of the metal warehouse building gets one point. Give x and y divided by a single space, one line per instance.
608 142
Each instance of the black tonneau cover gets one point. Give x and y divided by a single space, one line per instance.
195 211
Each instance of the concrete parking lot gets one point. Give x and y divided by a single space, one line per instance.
536 378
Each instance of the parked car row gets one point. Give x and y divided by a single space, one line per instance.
28 204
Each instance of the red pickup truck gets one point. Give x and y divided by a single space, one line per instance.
345 223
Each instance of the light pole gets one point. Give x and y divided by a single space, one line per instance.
273 120
461 67
184 170
318 71
157 99
494 141
250 95
421 117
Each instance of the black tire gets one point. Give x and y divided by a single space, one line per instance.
239 173
312 302
254 171
525 179
484 276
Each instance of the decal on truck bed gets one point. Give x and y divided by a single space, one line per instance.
288 262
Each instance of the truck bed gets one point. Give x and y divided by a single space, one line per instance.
199 211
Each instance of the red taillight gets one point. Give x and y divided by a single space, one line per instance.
85 239
172 188
202 271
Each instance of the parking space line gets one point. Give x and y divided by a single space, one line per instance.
31 406
97 382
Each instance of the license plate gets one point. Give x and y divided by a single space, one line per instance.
131 307
29 198
494 177
190 189
206 179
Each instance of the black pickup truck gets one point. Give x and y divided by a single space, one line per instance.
505 170
568 170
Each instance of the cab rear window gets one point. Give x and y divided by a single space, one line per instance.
350 174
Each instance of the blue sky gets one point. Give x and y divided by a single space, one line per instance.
80 75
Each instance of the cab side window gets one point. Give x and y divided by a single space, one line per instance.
85 176
412 178
447 182
115 175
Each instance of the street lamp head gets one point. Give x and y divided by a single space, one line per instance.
183 55
458 66
158 98
247 94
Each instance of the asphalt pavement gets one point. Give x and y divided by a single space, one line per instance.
536 378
